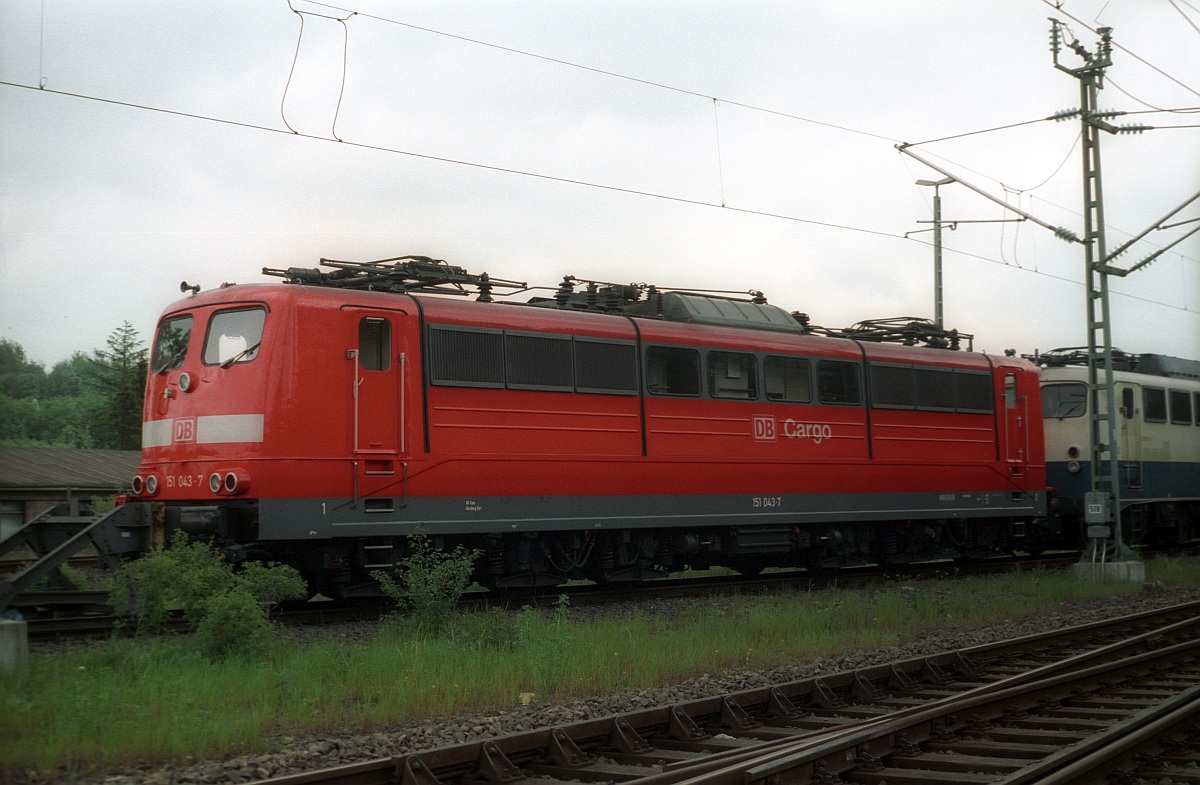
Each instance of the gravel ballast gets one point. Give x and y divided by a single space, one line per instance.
294 754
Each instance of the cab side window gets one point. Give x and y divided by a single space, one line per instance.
1060 401
374 344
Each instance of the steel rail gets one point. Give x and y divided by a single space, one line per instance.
827 749
1039 675
618 740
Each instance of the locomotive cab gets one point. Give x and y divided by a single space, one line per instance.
1158 439
203 425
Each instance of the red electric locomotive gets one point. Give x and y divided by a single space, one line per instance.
614 433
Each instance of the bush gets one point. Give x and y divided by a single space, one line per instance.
229 606
233 625
270 584
142 590
428 582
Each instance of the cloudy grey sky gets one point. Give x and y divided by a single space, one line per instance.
622 165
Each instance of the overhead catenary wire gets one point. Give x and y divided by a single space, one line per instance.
346 13
699 202
720 165
1186 18
552 178
460 162
1057 6
296 57
714 99
1051 176
605 72
1187 110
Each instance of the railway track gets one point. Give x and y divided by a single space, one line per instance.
64 613
1097 703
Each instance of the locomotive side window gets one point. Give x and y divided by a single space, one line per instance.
787 379
672 370
234 336
605 367
170 345
1154 404
1196 406
539 362
374 344
1181 407
892 386
930 389
934 388
474 357
463 357
973 392
838 382
732 375
1060 401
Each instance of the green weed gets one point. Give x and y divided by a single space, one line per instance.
164 699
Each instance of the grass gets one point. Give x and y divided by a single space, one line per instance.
160 700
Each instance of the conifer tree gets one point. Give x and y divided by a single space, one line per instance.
118 374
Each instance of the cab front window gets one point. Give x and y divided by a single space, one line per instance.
234 336
171 343
1060 401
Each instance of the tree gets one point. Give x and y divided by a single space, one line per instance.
18 418
68 378
118 375
19 376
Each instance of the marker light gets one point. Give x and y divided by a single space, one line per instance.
236 481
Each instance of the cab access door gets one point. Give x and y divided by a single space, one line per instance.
1013 421
379 370
1130 423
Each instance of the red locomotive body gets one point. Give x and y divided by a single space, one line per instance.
320 426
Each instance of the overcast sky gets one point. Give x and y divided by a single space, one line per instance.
105 208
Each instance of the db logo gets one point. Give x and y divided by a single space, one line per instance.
184 430
764 428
